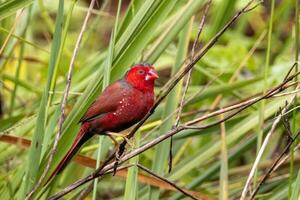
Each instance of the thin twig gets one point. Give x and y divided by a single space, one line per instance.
187 81
64 102
17 19
166 180
255 6
188 76
242 104
272 168
264 145
185 103
287 126
85 191
291 70
287 93
201 25
224 163
284 160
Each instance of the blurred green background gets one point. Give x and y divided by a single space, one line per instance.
37 39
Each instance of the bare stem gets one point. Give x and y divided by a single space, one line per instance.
188 76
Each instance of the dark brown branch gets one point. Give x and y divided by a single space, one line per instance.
89 188
253 7
166 180
286 126
290 70
247 103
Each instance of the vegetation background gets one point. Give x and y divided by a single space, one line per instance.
37 41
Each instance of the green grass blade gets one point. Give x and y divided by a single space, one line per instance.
295 191
266 74
224 11
60 50
17 75
9 7
296 188
23 40
131 185
134 25
224 165
50 131
37 139
162 149
173 29
131 52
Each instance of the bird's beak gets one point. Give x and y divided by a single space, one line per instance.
151 75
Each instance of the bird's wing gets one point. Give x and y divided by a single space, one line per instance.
108 101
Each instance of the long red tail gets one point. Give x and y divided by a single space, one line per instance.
81 138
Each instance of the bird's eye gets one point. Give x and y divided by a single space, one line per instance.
141 71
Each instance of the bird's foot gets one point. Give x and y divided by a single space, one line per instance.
113 135
129 142
114 141
117 156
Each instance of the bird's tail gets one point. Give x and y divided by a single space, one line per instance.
82 136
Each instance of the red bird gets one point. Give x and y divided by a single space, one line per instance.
122 104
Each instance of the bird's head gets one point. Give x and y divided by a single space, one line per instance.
142 77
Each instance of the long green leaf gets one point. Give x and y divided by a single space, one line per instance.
296 188
9 7
37 139
131 185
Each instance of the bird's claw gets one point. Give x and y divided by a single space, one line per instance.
130 143
117 155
